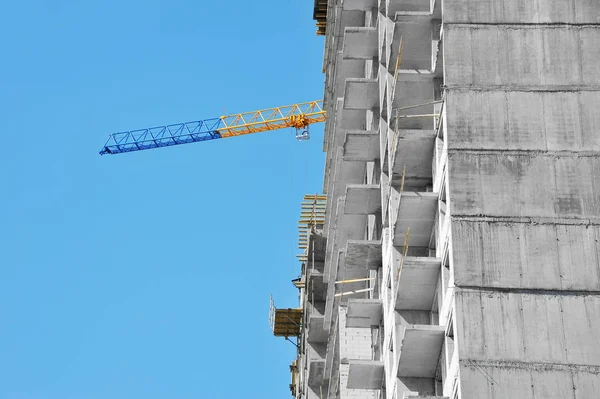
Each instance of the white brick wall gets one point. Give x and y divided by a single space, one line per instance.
355 344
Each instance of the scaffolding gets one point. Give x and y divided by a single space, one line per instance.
312 217
285 322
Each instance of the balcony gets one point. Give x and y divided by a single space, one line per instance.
365 374
363 254
362 199
361 145
360 43
416 211
418 278
364 313
361 94
420 349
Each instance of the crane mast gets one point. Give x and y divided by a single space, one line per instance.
298 116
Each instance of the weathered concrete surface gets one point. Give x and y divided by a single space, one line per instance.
522 87
364 313
416 35
528 328
521 120
409 385
535 185
526 255
417 283
360 43
512 380
347 68
533 11
362 199
363 254
361 145
315 331
521 57
395 6
417 213
361 5
365 374
413 150
420 350
361 94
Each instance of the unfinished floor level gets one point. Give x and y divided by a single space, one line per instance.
459 253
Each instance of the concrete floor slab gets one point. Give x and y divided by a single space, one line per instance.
418 281
360 43
363 254
362 199
361 145
420 351
361 94
417 211
365 374
364 313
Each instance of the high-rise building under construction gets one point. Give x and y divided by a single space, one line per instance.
457 253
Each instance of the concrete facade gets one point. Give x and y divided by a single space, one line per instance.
460 255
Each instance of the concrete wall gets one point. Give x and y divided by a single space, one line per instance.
533 11
526 255
522 88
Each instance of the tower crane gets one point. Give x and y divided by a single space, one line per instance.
298 116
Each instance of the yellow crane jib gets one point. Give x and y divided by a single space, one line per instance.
298 116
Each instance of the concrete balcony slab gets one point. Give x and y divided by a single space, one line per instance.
420 350
361 145
365 374
362 199
416 211
364 313
413 150
363 254
360 43
361 94
361 5
417 283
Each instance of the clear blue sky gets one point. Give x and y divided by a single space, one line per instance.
147 275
